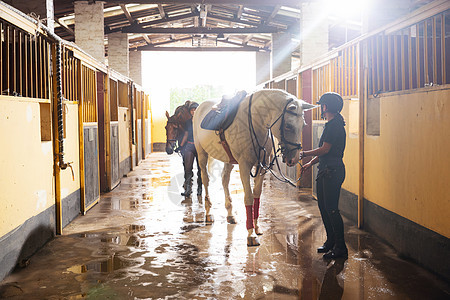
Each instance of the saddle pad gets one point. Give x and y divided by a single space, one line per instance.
222 117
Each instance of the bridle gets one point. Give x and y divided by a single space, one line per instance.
176 124
177 120
261 152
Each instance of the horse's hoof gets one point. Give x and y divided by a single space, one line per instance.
231 220
209 219
258 232
252 241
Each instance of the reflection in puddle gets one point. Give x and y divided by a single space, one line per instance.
188 228
109 265
285 290
135 228
112 240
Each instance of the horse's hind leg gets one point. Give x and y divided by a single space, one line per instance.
225 183
203 160
257 189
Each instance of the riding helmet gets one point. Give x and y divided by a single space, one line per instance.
193 105
333 101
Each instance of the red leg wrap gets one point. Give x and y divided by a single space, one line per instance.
255 208
249 209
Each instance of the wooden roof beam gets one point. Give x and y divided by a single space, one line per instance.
133 26
247 39
64 26
201 30
147 39
161 11
294 3
244 48
273 14
127 13
239 12
232 20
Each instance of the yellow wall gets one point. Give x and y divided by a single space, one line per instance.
124 134
407 166
71 151
160 103
26 180
158 129
351 154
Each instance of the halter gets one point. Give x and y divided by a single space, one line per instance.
261 165
172 142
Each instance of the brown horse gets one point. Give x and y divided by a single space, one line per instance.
175 126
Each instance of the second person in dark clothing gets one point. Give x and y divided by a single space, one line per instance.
331 174
189 154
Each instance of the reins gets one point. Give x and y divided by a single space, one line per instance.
261 158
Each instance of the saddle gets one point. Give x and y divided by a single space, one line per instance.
221 115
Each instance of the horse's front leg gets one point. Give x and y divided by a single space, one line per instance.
257 189
225 183
202 161
252 239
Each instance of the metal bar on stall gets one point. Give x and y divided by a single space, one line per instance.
42 63
402 62
36 74
396 63
434 51
14 63
425 52
2 26
8 72
444 75
410 60
20 64
417 56
389 54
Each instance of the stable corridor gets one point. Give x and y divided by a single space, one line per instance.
144 241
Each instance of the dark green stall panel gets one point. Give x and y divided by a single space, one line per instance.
91 179
139 141
115 174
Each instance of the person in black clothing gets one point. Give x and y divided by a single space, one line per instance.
189 153
331 174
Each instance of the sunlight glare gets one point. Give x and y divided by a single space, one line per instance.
346 9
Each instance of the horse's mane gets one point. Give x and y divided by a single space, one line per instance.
182 113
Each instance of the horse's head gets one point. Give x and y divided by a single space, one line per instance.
291 125
173 129
174 126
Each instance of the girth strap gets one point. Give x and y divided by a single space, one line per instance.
226 147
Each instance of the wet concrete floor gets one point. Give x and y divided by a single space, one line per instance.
145 241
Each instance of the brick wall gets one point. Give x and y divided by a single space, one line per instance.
118 57
89 28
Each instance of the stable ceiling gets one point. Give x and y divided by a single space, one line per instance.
243 25
214 25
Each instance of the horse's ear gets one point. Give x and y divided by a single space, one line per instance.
307 106
167 114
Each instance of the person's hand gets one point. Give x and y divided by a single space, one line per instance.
302 155
306 167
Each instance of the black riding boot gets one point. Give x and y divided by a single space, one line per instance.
187 186
340 249
329 243
188 191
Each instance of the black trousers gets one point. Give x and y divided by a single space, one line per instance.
329 183
189 154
